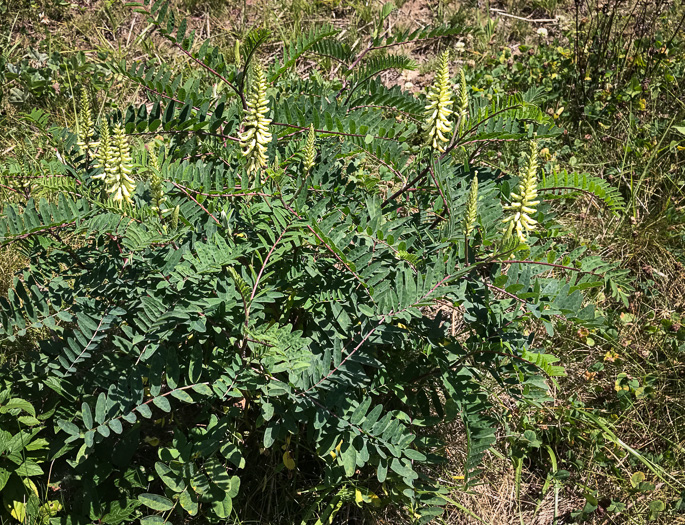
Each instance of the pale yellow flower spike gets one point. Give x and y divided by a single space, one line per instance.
85 131
114 157
256 135
463 100
523 202
438 108
121 185
310 150
156 183
471 214
102 156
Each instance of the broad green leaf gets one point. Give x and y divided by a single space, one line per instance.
4 477
101 408
382 471
18 404
402 469
182 395
68 427
414 454
87 415
28 421
188 501
235 487
203 389
153 520
223 508
29 468
267 411
156 502
116 426
144 410
357 416
162 403
348 458
169 477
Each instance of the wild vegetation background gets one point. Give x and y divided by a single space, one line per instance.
610 449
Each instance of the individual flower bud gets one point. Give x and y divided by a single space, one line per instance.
85 128
523 201
309 150
471 207
438 109
256 136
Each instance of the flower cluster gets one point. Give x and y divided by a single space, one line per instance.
102 155
256 136
309 150
156 184
85 128
523 202
471 207
463 100
438 108
114 157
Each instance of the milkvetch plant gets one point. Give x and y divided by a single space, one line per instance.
279 331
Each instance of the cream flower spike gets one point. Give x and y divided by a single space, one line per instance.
523 202
156 183
121 185
463 100
471 213
102 155
256 135
310 150
438 108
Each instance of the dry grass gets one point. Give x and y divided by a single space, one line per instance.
10 261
